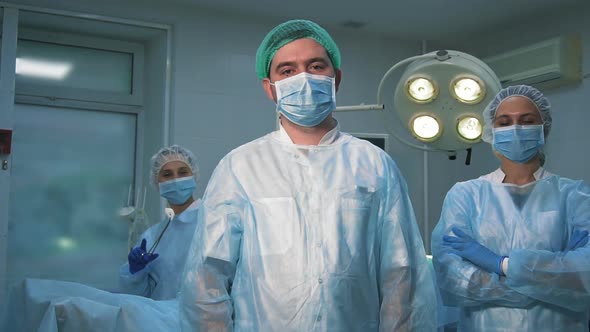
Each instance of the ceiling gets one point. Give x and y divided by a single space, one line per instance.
406 19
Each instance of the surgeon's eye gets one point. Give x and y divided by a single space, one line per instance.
318 67
166 174
502 123
530 120
287 72
184 172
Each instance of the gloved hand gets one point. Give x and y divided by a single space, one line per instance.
577 240
466 247
138 258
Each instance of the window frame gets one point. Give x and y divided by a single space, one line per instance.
135 98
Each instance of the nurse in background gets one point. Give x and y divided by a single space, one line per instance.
511 247
155 265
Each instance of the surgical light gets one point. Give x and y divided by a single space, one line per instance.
425 127
439 97
421 89
468 90
42 69
469 128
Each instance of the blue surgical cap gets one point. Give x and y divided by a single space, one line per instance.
534 95
172 153
287 32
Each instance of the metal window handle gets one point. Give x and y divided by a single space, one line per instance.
4 164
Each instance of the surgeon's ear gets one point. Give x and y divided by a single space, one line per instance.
269 90
338 78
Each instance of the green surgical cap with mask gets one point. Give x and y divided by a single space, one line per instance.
287 32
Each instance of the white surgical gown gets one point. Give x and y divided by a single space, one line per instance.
545 288
308 238
160 279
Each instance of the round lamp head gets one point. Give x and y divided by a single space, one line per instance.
425 128
442 98
421 89
469 128
468 90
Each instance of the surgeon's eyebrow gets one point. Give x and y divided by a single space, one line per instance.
284 64
318 59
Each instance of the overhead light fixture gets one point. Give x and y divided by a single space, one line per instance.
42 69
440 97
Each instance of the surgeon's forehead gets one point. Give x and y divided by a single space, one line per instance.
517 105
174 165
299 50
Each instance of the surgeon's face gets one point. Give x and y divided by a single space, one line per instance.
174 169
517 110
298 56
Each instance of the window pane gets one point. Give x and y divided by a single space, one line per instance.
59 65
70 172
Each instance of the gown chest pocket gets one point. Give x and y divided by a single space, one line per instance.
356 205
357 209
275 222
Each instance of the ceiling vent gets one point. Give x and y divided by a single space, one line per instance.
547 64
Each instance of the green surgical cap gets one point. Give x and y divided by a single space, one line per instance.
287 32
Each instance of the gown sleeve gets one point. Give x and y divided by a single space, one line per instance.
205 301
559 278
407 295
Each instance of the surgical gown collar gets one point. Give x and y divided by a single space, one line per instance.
189 215
328 139
498 175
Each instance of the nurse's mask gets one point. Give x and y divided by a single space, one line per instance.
519 143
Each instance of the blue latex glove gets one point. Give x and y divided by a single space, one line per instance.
138 258
464 246
577 240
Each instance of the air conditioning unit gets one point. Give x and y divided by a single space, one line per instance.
547 64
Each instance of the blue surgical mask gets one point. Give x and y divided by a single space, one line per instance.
178 191
306 99
519 143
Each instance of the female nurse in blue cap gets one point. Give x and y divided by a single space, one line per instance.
511 247
155 265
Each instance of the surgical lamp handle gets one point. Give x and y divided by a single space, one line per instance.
353 108
468 158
